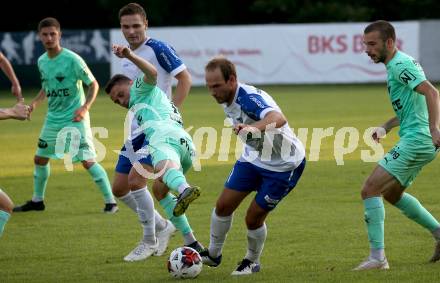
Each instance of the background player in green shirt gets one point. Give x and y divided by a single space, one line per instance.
416 104
62 75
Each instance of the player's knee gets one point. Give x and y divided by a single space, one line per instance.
9 206
135 182
120 184
119 190
6 204
253 223
368 189
223 209
160 190
392 196
87 164
389 198
364 194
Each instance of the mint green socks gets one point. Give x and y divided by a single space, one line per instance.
412 209
374 218
4 217
41 175
174 178
101 179
181 222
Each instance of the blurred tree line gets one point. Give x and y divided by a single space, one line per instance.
25 15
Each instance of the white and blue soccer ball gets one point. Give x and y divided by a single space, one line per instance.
184 262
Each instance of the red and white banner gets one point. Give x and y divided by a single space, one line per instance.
281 54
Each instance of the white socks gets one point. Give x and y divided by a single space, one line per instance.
145 211
128 199
160 222
219 229
256 239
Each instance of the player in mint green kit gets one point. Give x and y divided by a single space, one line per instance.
62 75
19 112
169 145
416 104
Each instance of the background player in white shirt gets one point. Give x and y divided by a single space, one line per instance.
134 24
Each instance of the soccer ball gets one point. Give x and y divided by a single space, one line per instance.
184 262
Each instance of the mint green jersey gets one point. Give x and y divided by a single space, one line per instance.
404 75
62 80
153 110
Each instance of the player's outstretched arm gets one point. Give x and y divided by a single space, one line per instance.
148 69
19 112
432 102
6 67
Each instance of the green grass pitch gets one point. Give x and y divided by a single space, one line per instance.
316 234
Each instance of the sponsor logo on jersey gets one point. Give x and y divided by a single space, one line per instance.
258 102
138 83
406 76
57 92
42 143
165 58
185 143
60 77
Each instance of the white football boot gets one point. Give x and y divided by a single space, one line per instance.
163 237
246 267
371 263
142 251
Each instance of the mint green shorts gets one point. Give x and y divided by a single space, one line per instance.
405 160
178 148
74 138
